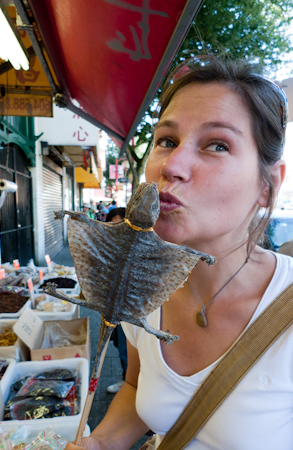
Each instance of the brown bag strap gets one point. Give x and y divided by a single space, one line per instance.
244 353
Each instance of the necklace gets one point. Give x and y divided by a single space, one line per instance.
201 318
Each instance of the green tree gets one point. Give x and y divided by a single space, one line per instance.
253 29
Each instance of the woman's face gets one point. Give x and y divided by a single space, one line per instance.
205 162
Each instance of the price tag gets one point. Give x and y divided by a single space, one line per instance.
49 263
2 274
31 289
28 327
30 285
16 264
48 259
41 275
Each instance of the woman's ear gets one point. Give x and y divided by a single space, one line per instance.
278 172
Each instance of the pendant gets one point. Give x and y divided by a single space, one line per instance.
201 318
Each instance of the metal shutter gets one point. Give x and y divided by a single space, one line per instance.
52 200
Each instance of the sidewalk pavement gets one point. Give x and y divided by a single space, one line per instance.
111 371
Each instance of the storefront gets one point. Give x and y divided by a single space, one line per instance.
16 157
52 201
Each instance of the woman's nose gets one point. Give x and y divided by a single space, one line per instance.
177 166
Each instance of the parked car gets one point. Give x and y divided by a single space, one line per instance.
279 229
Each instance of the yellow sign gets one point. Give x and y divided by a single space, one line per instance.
35 76
26 105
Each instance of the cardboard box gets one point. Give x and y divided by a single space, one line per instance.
19 351
30 328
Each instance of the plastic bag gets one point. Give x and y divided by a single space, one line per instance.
46 440
34 387
17 434
31 265
18 439
9 268
5 445
18 384
57 374
62 271
37 407
56 305
74 400
52 374
55 336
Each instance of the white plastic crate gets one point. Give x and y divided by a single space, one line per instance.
75 291
57 315
31 367
16 315
5 381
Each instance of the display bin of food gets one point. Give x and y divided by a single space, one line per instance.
11 346
51 308
67 285
30 405
13 304
62 271
65 430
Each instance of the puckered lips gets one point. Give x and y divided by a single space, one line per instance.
168 202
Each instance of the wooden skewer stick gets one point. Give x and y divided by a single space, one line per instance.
104 338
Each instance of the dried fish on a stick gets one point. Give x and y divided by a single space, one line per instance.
124 269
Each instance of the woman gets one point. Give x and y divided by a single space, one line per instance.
217 161
115 215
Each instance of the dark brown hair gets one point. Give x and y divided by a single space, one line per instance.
265 101
115 212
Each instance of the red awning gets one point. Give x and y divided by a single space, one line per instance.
111 55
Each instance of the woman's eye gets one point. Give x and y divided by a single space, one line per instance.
165 143
216 147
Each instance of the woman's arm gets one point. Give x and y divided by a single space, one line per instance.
121 426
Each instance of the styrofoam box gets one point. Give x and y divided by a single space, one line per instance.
19 351
75 291
25 368
5 381
16 315
58 315
66 430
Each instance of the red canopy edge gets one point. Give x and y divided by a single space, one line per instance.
111 55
